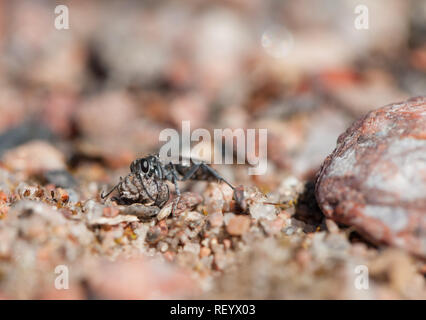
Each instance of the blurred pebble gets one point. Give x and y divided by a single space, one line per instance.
34 157
204 252
215 219
157 232
260 210
23 134
140 278
272 227
192 247
60 178
238 225
277 41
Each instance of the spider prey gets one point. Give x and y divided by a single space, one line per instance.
146 182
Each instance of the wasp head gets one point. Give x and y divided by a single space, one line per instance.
147 166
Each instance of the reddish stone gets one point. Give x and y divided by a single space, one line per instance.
375 179
238 225
63 195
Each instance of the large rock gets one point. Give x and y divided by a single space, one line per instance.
375 179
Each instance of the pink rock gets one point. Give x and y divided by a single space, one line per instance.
375 180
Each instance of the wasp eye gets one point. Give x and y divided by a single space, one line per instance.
145 166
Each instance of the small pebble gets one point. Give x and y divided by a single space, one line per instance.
204 252
162 246
238 225
260 210
215 219
192 247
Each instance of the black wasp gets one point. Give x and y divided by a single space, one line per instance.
146 182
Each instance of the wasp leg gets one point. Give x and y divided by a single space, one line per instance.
207 169
176 200
174 179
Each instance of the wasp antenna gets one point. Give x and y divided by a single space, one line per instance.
232 187
103 196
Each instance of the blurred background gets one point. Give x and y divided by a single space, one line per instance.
97 95
124 70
